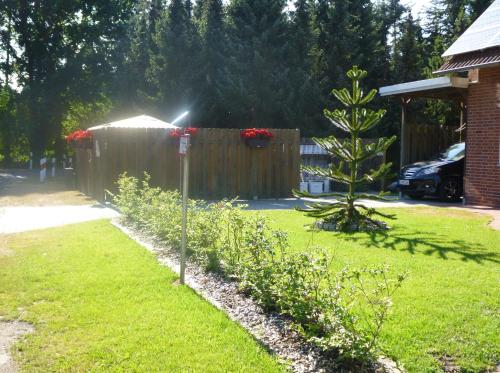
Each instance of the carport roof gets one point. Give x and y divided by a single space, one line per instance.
445 87
141 121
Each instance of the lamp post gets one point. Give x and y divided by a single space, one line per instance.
184 152
184 146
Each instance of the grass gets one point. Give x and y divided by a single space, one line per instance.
450 304
99 302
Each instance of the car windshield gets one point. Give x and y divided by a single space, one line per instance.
453 153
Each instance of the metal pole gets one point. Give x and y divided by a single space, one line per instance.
403 144
185 185
403 134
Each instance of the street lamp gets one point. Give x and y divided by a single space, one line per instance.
180 117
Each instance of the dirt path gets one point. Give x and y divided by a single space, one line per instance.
10 332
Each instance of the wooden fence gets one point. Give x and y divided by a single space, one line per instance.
426 140
221 164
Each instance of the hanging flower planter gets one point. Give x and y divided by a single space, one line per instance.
256 137
178 132
80 139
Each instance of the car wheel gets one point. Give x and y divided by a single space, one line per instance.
415 196
450 190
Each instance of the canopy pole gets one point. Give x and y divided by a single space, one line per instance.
403 145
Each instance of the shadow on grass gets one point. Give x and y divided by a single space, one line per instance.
426 243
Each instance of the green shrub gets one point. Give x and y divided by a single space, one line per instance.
342 312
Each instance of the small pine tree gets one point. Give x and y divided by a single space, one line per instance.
343 214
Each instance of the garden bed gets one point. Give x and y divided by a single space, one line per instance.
271 329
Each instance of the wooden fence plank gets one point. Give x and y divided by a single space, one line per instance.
222 165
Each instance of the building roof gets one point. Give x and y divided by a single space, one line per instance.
141 121
484 33
442 87
306 149
469 61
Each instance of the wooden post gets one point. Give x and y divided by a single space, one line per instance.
403 145
43 169
184 152
53 171
402 157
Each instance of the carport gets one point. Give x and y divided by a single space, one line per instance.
445 88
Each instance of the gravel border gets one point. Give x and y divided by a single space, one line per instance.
270 329
10 332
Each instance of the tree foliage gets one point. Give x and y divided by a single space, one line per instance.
237 63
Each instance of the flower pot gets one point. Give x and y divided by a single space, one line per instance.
256 142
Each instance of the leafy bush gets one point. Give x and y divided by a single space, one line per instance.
342 312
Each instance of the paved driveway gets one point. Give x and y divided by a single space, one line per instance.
26 218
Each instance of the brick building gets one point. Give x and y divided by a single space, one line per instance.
472 78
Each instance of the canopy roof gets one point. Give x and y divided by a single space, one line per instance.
445 87
484 33
141 121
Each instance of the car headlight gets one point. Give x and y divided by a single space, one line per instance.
429 170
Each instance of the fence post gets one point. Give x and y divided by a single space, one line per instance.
64 162
43 169
31 161
53 173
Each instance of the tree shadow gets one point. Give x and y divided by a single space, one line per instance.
427 243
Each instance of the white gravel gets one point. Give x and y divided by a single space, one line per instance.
26 218
9 333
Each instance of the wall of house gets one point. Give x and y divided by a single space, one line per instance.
482 162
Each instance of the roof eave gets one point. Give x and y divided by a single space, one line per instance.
424 85
466 68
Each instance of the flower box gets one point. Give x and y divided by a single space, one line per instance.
80 139
256 142
256 137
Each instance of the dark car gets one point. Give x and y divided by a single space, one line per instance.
442 176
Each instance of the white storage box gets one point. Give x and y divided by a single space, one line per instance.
304 186
316 187
326 186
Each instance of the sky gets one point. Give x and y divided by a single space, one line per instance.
417 5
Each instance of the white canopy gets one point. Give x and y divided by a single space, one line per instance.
141 121
445 82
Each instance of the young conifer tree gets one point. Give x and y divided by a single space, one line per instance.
344 214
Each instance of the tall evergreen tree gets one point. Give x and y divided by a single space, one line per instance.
212 64
302 105
172 67
258 69
408 56
139 92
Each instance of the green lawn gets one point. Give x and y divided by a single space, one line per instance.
99 302
449 305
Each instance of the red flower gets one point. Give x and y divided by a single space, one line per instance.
191 131
178 132
78 136
252 133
